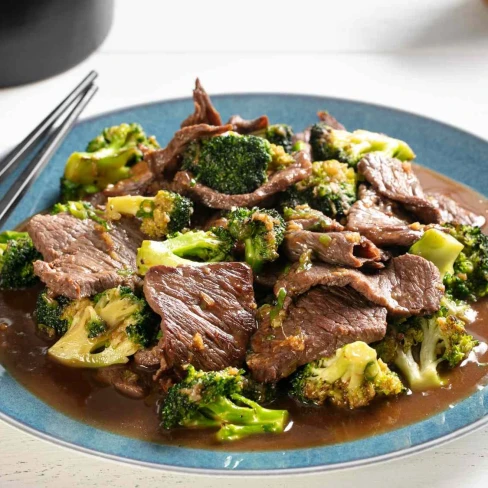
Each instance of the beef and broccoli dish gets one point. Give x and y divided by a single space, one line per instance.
246 281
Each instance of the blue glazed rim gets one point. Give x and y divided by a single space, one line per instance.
441 146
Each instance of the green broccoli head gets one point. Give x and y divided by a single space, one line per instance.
469 278
49 314
351 147
260 230
215 399
163 214
350 379
17 255
229 163
106 330
191 248
331 188
81 210
418 345
107 160
279 135
120 308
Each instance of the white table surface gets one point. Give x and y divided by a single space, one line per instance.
429 57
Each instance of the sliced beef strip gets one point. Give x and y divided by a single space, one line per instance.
149 358
242 126
93 261
319 322
184 183
124 380
330 120
409 285
53 234
166 160
453 213
382 221
207 313
205 112
396 180
342 248
136 184
269 275
315 221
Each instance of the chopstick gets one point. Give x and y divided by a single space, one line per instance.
32 171
12 160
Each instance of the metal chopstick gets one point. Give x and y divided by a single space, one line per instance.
20 151
30 174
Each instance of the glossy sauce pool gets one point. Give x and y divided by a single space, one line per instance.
76 393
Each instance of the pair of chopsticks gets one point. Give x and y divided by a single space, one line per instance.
72 106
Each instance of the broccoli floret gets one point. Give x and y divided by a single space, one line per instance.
350 379
280 159
469 279
189 249
163 214
278 134
261 232
331 188
81 210
49 314
17 254
229 163
351 147
418 345
108 158
121 308
438 247
262 393
215 399
105 330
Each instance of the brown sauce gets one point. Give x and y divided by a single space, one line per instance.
77 394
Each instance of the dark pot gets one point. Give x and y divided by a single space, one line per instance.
40 38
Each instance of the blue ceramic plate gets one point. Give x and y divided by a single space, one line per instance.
443 148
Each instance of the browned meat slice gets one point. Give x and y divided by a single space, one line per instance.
453 213
96 199
305 218
94 260
319 322
167 159
205 112
270 274
342 248
207 313
409 285
185 184
395 179
137 184
53 234
242 126
330 120
150 358
381 220
124 380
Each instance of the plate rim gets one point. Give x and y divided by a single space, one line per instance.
294 471
94 117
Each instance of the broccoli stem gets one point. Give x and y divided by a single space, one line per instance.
128 205
251 256
225 410
423 377
231 432
440 248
